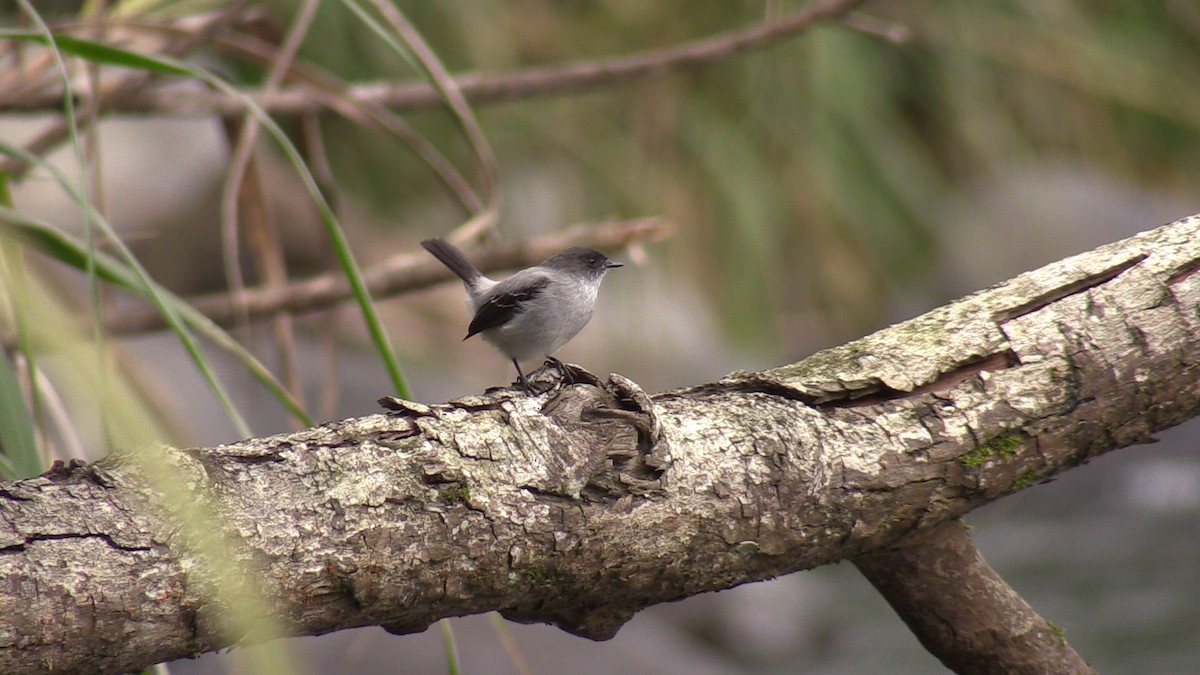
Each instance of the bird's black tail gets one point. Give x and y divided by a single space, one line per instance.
453 258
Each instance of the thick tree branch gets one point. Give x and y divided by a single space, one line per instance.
581 507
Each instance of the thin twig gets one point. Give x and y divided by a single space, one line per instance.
243 148
400 274
243 182
448 89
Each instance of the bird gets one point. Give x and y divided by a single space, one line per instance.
533 312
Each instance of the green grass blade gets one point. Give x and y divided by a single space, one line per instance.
451 644
94 219
20 456
411 49
97 52
383 34
68 249
93 284
341 246
16 425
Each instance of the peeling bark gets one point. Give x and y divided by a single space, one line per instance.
581 507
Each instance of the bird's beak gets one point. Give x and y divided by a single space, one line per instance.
611 264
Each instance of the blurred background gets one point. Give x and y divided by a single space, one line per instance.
813 189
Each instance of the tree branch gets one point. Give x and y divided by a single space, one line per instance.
962 611
396 275
583 506
481 88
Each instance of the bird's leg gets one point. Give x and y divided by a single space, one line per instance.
524 382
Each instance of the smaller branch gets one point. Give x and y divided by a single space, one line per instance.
961 610
399 274
122 87
480 88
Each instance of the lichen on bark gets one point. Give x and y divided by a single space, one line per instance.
582 506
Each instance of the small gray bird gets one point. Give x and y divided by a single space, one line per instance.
534 312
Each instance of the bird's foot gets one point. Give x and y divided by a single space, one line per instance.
555 374
570 373
539 382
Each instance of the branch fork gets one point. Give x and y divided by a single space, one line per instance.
584 505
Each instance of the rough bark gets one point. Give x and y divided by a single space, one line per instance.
962 611
582 507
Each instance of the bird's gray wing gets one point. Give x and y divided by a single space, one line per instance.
504 304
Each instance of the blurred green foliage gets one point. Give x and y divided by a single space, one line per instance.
808 180
804 176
